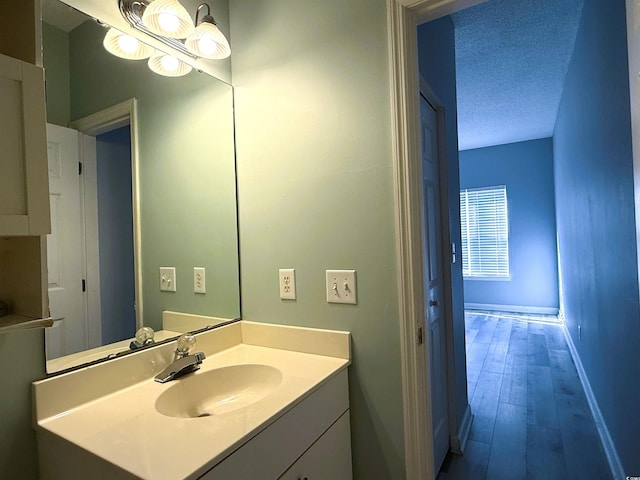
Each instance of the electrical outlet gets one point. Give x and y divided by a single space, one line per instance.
287 283
341 286
168 279
198 280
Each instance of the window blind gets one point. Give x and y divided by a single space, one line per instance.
485 232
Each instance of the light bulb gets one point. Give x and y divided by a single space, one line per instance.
169 63
126 46
168 22
208 41
128 43
169 66
168 18
207 46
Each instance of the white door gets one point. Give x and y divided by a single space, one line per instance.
433 281
64 245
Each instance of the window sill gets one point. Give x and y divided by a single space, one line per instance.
488 279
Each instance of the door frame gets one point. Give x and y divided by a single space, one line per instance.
403 18
120 115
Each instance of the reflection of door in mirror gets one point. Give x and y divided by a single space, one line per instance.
64 245
91 247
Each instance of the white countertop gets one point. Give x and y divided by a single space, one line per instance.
125 429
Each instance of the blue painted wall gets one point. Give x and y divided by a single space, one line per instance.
437 64
596 222
526 168
115 224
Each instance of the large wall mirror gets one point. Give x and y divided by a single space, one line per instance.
156 189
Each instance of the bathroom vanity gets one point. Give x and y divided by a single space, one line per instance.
268 402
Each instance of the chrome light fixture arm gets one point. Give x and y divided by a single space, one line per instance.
132 11
207 17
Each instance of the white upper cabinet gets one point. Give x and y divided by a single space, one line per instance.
24 184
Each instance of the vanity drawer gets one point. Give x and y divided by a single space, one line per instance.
272 451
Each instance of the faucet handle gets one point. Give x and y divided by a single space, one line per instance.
144 336
185 343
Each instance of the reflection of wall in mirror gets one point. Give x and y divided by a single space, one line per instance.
186 156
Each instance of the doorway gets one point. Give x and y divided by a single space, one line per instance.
115 232
403 57
102 287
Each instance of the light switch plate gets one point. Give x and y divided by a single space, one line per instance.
168 279
341 286
199 285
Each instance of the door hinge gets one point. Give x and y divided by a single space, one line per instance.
79 168
420 336
84 285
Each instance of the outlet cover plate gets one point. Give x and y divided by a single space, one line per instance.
341 286
287 283
199 285
168 279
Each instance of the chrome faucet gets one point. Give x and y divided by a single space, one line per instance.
183 361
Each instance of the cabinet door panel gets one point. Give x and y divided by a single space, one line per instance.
328 458
12 181
24 188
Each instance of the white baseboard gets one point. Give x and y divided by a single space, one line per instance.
459 439
511 308
615 465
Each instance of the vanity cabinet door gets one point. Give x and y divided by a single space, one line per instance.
328 458
24 182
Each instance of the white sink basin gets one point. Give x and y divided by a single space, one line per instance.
219 391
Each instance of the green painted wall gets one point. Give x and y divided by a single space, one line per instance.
187 171
21 362
315 186
55 52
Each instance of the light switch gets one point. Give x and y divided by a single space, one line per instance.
168 279
341 286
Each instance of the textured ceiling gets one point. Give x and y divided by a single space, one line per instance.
512 58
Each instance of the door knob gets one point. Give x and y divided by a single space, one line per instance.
433 303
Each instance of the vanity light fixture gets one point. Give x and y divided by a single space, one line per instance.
168 22
125 46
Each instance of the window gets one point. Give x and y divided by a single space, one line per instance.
485 232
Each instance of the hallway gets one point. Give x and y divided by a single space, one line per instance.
532 419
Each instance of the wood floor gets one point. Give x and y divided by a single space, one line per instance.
532 419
